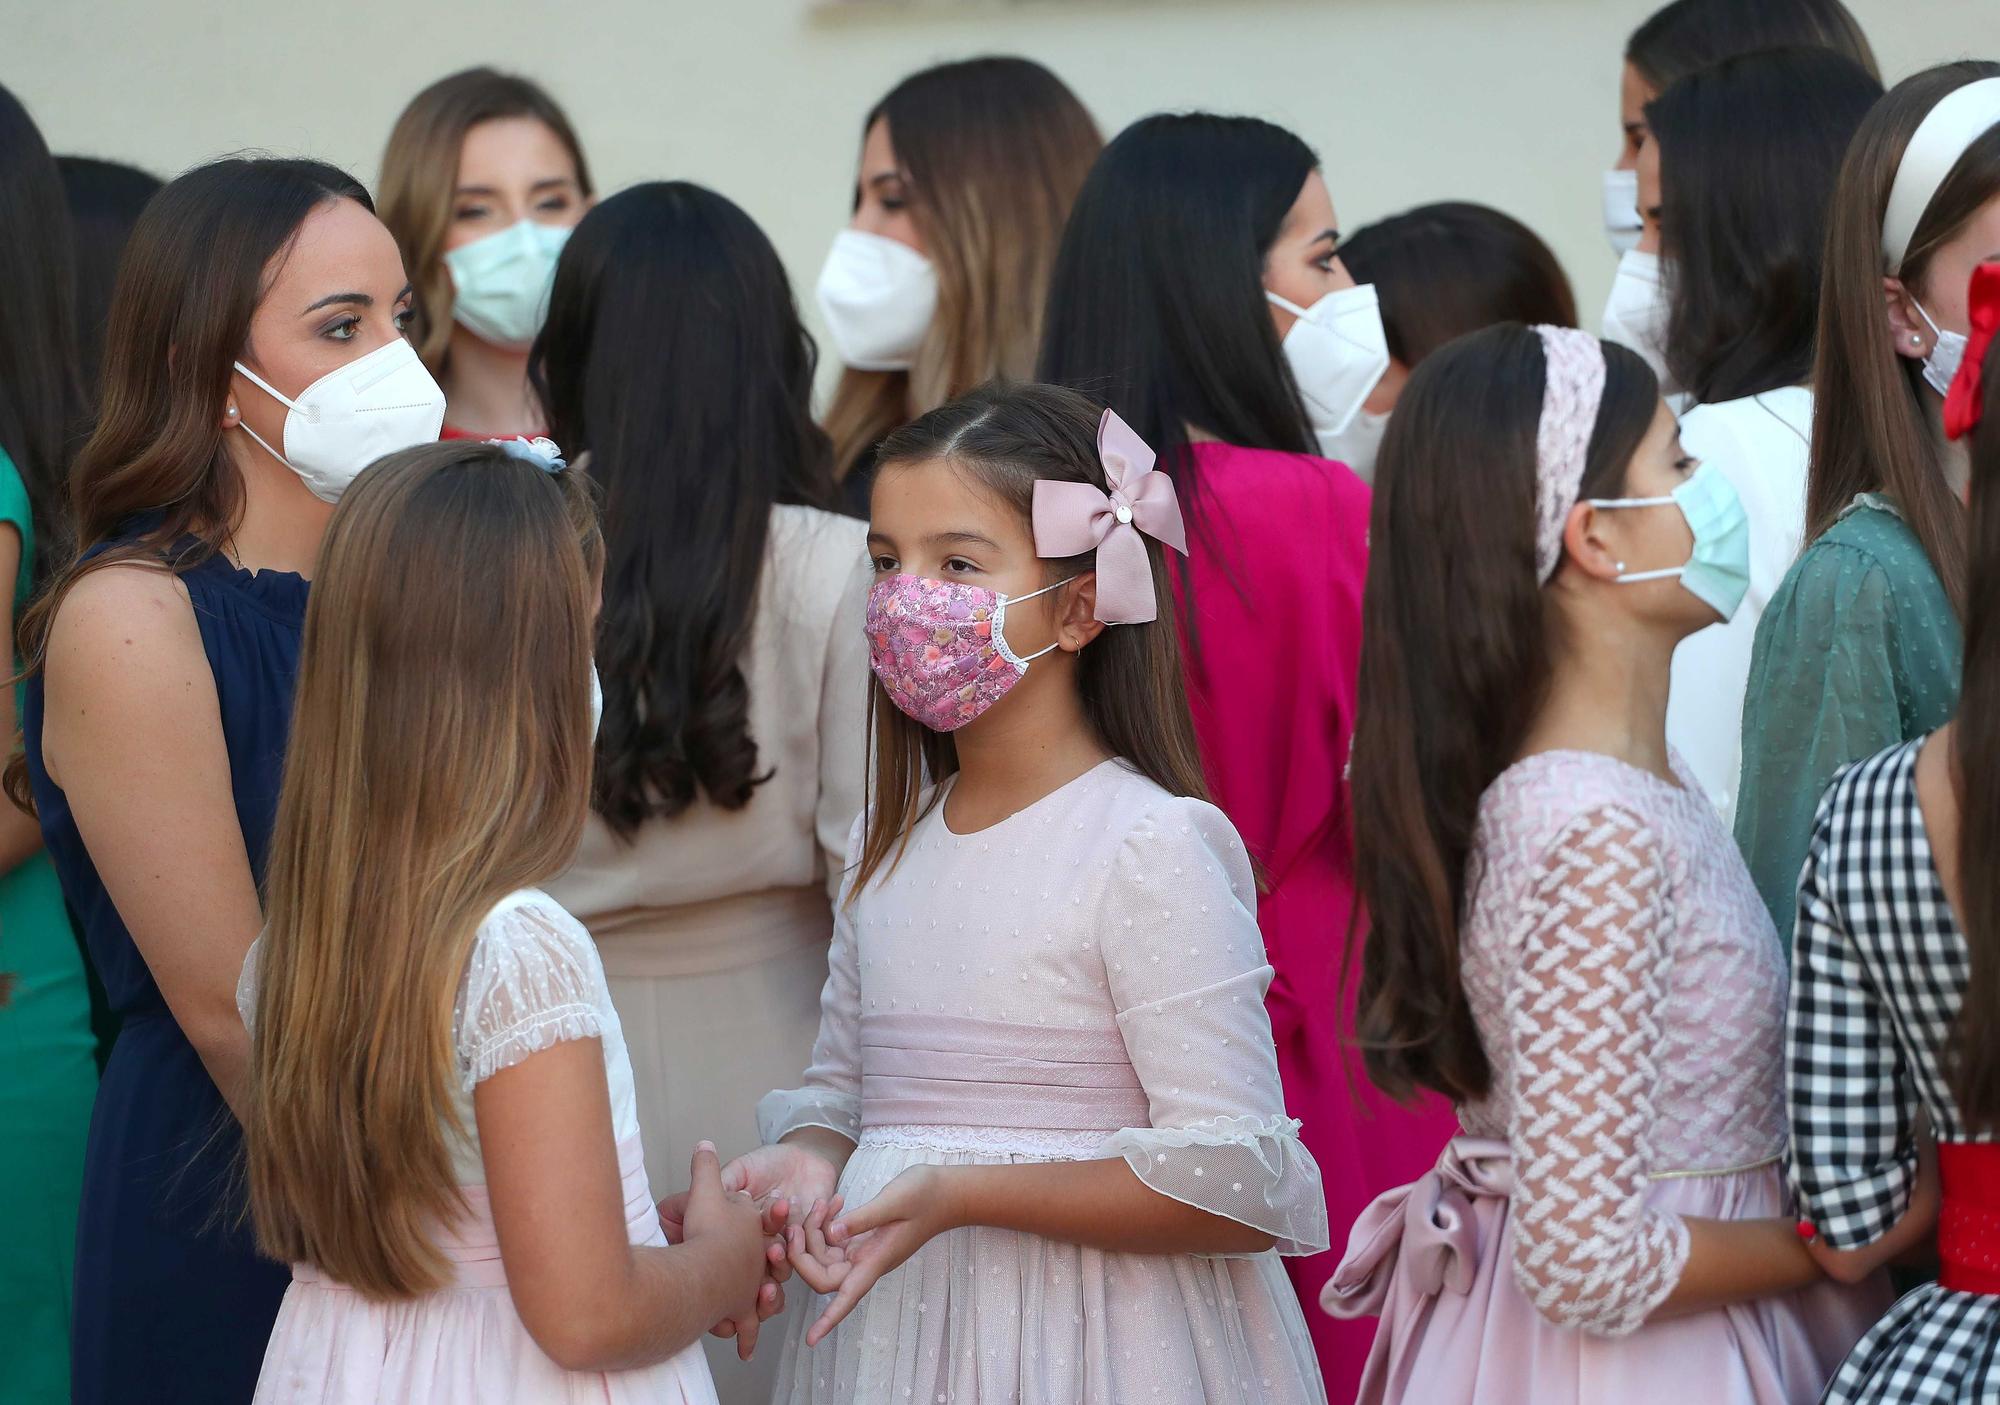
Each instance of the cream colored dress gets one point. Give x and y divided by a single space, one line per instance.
714 925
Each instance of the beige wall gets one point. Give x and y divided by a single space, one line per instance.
1511 102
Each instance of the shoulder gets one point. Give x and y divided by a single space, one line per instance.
14 510
1156 830
1552 802
1870 794
1284 480
1754 438
528 950
131 615
814 559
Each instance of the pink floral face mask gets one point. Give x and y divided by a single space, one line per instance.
940 647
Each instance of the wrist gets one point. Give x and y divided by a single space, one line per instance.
958 1196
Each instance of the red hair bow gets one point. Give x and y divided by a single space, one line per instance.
1962 406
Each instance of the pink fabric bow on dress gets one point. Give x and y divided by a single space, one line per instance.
1072 518
1427 1227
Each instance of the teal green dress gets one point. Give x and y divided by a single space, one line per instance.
48 1077
1858 651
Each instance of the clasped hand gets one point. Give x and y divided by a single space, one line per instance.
775 1179
847 1254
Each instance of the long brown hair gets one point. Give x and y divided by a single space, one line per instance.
439 760
1975 757
1129 678
420 181
1454 667
995 150
1872 427
156 467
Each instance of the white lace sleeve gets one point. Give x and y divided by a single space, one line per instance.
1582 1012
533 981
830 1094
1185 964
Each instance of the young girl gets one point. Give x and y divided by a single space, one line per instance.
1565 940
1898 975
441 1132
1044 1078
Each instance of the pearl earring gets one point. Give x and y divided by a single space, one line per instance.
1621 568
1916 339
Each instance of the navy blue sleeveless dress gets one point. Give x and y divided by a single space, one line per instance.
173 1305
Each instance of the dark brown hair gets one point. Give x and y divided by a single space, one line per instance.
995 150
1749 150
1004 437
1689 35
420 180
1454 667
1872 426
673 356
1443 270
1975 756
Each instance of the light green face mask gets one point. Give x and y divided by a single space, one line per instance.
500 284
1718 573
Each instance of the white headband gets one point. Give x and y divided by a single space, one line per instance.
1961 117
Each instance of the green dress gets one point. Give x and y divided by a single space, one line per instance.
1858 650
48 1077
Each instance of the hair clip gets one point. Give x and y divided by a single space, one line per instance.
539 451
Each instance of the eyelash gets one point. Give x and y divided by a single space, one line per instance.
345 328
954 562
884 565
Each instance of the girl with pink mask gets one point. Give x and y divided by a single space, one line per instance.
1041 1154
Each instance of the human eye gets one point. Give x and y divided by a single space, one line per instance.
341 330
465 214
959 566
554 205
885 565
405 316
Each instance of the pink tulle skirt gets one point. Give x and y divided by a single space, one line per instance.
1433 1260
461 1345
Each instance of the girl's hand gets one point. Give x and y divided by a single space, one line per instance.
846 1254
730 1227
778 1178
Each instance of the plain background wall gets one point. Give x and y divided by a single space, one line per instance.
1509 102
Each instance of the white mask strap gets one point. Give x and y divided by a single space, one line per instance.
268 389
1285 303
244 425
1631 502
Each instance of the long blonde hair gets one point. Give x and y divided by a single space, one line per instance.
996 150
420 181
439 760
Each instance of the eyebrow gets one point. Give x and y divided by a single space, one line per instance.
961 539
354 299
1330 236
546 183
883 177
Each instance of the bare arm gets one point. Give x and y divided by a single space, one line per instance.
1098 1204
20 835
590 1298
133 734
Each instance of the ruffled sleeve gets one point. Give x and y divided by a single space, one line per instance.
1583 1020
1185 965
830 1094
533 981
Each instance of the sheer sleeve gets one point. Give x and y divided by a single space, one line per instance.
1848 1091
533 981
843 724
830 1094
1582 1014
1822 668
1185 965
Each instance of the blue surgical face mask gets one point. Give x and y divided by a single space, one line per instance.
1718 572
500 284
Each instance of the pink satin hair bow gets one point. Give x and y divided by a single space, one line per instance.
1072 518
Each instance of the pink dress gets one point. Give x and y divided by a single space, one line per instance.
1630 995
532 981
1278 555
1082 980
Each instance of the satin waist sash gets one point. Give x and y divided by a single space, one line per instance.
959 1071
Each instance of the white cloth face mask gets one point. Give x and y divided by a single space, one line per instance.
1635 315
1622 225
1338 352
878 296
1357 445
1946 353
353 415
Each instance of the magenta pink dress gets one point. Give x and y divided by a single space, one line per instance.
1278 554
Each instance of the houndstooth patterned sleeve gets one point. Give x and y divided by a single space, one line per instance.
1848 1089
1583 1014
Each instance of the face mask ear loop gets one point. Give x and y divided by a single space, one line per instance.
258 439
1000 626
266 387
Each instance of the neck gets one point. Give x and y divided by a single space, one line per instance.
1953 455
1607 689
1036 740
486 388
282 522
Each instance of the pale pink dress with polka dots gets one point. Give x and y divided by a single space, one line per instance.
1084 979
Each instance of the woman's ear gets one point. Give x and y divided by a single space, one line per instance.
1587 544
1076 613
1909 335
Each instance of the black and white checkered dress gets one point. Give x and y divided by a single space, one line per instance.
1879 968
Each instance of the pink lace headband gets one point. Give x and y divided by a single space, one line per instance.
1072 518
1571 390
